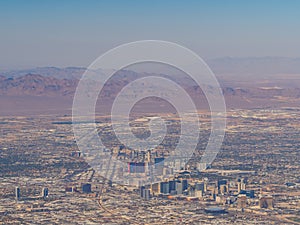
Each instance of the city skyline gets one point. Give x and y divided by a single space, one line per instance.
150 112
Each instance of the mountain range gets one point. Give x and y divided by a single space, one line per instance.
51 89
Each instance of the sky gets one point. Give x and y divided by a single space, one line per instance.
74 33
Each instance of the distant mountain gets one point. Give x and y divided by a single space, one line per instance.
254 67
37 85
36 92
60 73
229 66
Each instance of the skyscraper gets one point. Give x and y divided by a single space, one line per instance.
159 165
224 188
179 188
221 182
199 186
45 192
164 187
185 185
243 184
239 185
136 167
205 184
86 188
172 185
18 193
142 188
149 156
146 194
155 188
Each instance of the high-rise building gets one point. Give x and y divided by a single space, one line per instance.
185 184
148 156
86 188
136 167
159 160
179 188
155 188
221 182
192 192
252 194
205 184
224 188
239 184
146 194
243 184
214 193
18 193
45 192
165 171
248 193
164 187
142 188
159 165
200 186
172 186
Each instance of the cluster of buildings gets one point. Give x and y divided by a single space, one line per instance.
18 196
85 188
224 192
255 177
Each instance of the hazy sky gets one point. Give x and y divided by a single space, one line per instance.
74 33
